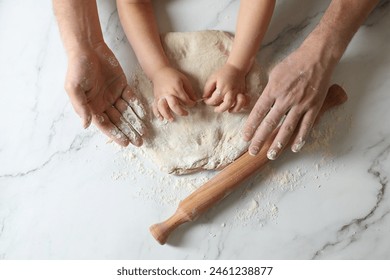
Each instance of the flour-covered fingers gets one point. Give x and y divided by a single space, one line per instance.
134 103
267 126
258 113
123 126
304 128
104 124
130 116
284 135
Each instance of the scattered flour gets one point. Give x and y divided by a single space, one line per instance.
256 201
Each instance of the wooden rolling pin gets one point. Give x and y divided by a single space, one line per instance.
228 179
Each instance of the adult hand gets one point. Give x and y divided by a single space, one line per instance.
292 98
172 91
99 93
225 89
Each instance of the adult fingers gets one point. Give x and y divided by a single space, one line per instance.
303 130
134 103
80 103
123 126
285 133
256 116
266 127
104 124
130 116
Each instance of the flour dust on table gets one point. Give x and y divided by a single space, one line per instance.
203 139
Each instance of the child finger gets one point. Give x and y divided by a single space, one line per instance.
164 110
241 101
228 102
184 98
156 112
190 93
175 106
209 88
215 99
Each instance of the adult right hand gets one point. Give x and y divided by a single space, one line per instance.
99 93
294 94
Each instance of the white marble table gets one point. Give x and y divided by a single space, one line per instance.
66 193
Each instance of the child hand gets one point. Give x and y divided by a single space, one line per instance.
172 91
225 89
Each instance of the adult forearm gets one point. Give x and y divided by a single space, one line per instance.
78 22
140 26
252 23
337 27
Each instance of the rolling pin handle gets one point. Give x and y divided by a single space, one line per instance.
162 230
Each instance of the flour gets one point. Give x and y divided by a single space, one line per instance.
255 201
204 139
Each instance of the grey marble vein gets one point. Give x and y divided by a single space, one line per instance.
76 145
39 66
289 38
361 224
380 11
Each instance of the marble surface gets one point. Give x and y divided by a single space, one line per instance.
65 193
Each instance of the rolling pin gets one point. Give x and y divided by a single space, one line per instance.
228 179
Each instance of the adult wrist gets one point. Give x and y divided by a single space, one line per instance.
324 48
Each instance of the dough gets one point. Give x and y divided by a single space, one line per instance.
204 139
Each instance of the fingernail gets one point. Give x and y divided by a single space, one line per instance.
87 122
253 151
247 136
298 146
271 154
99 118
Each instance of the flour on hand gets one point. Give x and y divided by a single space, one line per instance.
203 139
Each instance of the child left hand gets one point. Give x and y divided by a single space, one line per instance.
225 89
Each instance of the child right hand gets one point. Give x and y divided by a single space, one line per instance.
172 92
